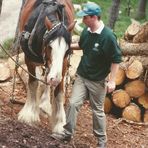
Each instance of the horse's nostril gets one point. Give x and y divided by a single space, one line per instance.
51 79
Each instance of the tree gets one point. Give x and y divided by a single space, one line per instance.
141 12
1 5
114 13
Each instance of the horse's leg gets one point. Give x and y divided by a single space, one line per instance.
30 112
58 113
45 104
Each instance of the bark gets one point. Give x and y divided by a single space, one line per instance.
114 13
134 49
141 12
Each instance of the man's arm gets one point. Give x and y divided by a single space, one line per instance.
111 83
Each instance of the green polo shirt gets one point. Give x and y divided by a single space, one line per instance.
99 52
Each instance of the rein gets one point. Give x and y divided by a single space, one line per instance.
17 64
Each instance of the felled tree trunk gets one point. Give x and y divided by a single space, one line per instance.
134 49
132 113
120 98
135 88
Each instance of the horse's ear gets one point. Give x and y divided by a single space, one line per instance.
71 26
48 23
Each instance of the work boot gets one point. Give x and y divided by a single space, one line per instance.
63 137
101 145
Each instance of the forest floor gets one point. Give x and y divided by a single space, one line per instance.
14 134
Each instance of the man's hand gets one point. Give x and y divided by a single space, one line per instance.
111 85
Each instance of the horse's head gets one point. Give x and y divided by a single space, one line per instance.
57 39
46 27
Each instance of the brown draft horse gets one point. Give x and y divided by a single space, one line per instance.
45 37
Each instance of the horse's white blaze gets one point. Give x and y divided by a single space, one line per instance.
30 112
59 47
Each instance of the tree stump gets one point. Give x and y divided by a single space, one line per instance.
107 105
120 98
135 88
143 100
132 113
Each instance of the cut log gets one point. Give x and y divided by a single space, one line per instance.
134 70
142 35
107 105
132 30
4 72
143 100
133 49
143 59
145 116
120 98
120 77
135 88
132 112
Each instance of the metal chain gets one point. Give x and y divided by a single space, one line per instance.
14 76
22 67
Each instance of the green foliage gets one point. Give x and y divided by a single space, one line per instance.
7 46
123 19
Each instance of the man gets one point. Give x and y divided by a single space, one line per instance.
101 56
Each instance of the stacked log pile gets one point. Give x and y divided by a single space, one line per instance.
130 99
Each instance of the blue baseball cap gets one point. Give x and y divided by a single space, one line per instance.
90 8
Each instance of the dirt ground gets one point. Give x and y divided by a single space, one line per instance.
14 134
